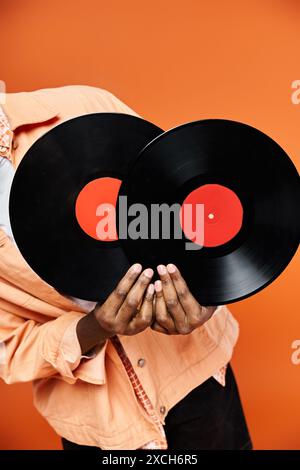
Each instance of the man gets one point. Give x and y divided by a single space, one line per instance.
110 376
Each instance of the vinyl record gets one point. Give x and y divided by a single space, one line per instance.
249 191
57 189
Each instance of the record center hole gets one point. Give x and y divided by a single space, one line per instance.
211 216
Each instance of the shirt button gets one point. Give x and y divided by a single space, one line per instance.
141 362
162 410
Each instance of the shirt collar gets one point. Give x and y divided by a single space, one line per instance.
27 108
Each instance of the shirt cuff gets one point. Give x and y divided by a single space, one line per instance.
218 309
60 346
90 354
70 346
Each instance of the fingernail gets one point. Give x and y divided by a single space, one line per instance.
151 289
136 268
158 286
161 269
171 268
149 272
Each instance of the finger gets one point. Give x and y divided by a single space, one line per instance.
156 327
117 297
144 317
134 297
195 313
161 313
171 299
185 297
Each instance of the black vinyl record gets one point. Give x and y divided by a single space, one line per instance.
237 168
44 193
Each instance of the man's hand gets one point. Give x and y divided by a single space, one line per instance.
176 309
127 311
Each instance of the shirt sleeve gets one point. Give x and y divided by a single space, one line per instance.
119 106
6 176
109 102
30 350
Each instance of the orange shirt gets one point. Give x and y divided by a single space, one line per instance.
91 401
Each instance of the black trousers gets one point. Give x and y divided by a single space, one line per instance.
210 417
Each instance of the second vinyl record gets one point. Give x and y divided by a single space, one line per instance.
249 189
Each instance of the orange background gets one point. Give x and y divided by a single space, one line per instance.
176 61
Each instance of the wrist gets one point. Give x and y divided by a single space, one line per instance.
90 333
103 333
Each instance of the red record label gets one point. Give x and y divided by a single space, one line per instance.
222 214
95 208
